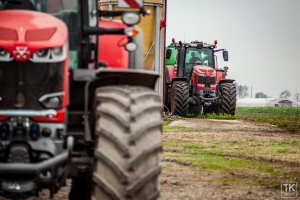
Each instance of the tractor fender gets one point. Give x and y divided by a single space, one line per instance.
170 73
226 81
112 76
179 79
126 77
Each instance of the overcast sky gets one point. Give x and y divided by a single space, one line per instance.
262 37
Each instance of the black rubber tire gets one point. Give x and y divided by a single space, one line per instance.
180 98
228 98
129 141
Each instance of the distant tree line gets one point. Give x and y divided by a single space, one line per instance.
243 92
287 94
260 95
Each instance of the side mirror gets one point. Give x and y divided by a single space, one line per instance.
225 55
200 45
169 53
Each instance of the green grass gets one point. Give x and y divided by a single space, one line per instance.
225 164
215 116
237 163
286 118
268 110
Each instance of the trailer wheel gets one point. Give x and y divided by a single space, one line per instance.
128 135
228 98
180 98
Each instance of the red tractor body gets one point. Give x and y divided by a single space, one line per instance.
111 49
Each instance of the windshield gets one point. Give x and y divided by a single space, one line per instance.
202 56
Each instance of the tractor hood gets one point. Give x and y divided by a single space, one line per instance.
22 33
204 70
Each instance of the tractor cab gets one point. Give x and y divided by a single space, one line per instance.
197 57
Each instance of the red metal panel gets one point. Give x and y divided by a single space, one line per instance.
171 72
8 34
40 34
111 47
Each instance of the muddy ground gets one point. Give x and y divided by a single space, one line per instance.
183 180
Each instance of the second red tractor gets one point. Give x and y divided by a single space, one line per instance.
194 82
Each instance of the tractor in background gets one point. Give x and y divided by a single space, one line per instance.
70 108
194 84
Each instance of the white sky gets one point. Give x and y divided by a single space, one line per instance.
262 37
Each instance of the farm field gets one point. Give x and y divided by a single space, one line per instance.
229 157
223 157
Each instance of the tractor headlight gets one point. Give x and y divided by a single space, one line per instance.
131 47
58 51
51 55
130 18
43 53
5 56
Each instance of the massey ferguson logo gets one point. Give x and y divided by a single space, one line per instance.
21 53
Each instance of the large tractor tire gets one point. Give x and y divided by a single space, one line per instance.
180 98
128 143
228 98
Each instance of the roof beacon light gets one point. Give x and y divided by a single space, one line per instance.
216 42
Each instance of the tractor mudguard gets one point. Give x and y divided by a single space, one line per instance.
226 81
180 79
110 76
125 77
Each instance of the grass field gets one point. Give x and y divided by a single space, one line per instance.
238 157
287 118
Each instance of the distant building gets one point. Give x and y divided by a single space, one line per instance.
288 103
267 102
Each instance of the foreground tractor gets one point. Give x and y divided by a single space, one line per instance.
194 84
75 103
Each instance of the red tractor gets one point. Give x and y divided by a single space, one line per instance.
194 83
66 112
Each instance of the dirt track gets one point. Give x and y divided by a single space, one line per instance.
180 180
183 181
